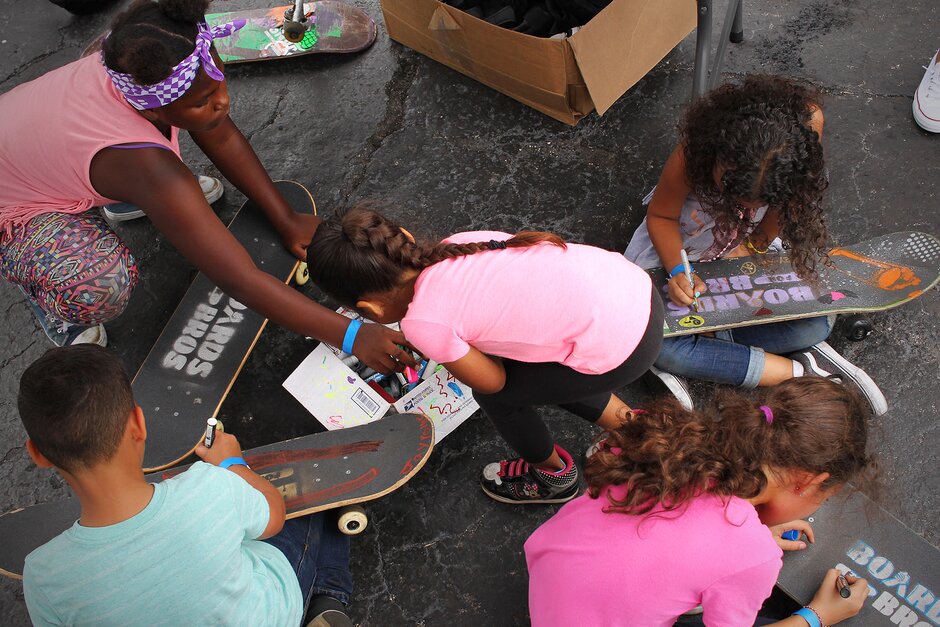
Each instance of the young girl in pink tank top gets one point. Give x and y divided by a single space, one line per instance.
678 507
524 320
113 137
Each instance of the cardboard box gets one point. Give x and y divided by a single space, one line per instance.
563 78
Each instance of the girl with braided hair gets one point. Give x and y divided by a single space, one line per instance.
104 129
523 319
748 176
678 508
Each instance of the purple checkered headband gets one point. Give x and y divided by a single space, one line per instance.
181 78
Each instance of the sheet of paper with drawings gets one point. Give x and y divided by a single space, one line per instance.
332 392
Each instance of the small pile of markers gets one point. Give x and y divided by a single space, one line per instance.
391 387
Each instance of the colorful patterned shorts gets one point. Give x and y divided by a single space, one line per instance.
73 266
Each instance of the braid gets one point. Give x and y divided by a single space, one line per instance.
150 38
442 251
359 251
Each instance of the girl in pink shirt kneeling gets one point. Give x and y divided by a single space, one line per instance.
105 130
522 319
678 509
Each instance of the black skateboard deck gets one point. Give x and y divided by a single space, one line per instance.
193 364
857 536
314 473
874 275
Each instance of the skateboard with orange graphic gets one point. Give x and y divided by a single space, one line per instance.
334 469
874 275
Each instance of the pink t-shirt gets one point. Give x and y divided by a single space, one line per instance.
582 306
51 128
587 567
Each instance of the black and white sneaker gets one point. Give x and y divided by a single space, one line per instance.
515 481
325 611
675 385
822 360
64 333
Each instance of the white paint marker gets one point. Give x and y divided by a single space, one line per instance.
210 432
688 273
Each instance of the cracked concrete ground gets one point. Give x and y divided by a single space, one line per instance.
455 155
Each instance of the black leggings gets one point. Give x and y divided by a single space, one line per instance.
512 409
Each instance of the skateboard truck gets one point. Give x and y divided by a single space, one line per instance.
295 22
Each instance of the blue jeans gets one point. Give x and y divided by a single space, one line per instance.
319 553
736 356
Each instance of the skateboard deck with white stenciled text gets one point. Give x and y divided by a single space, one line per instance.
195 361
874 275
334 469
857 536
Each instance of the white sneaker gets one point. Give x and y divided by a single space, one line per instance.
676 386
64 333
822 360
211 188
926 103
123 211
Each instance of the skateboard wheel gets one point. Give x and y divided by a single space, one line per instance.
294 31
352 520
856 327
302 275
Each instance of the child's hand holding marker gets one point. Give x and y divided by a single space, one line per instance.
684 285
787 535
831 606
224 447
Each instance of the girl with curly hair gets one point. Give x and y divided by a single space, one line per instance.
747 176
523 319
104 129
686 509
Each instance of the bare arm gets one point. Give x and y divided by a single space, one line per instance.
156 181
225 446
662 215
228 149
662 221
481 372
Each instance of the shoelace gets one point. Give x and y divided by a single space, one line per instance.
514 468
933 84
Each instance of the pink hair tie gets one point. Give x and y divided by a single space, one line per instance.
768 414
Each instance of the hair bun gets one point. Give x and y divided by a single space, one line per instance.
190 11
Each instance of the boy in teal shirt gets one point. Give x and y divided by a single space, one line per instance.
185 551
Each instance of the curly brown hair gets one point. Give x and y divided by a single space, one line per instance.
359 251
149 38
758 134
667 455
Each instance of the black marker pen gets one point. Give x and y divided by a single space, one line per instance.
210 432
843 587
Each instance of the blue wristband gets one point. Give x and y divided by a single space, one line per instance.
809 616
678 269
350 338
234 461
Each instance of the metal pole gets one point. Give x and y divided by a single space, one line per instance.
737 31
733 7
703 40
